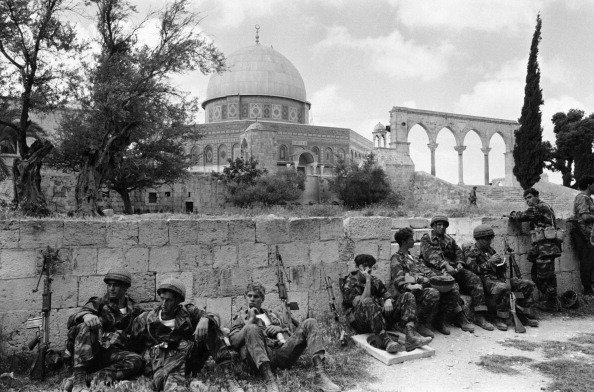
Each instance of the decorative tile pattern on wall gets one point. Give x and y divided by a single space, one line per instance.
293 114
216 113
276 112
232 112
255 110
244 110
266 111
224 112
285 112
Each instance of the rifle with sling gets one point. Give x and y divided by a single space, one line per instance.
332 303
286 306
513 267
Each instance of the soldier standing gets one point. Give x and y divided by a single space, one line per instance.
583 213
472 196
486 263
265 342
409 274
543 254
98 335
440 252
369 307
176 340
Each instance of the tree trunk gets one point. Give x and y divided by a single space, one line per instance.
28 196
125 195
88 182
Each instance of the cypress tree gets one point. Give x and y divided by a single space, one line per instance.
529 150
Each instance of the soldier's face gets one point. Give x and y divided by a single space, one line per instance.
366 268
440 228
169 301
115 290
254 299
485 242
531 200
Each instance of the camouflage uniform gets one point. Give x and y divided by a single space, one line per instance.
438 251
543 266
105 348
173 354
580 236
368 315
429 300
495 280
256 348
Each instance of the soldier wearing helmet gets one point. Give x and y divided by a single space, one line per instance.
440 252
491 268
176 340
98 335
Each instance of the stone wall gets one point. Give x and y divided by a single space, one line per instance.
215 258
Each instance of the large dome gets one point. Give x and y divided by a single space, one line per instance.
257 70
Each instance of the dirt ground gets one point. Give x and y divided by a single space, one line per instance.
454 367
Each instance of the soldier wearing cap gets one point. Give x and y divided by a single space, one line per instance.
581 231
440 252
98 335
176 340
486 263
409 274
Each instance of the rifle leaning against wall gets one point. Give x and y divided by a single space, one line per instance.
513 267
332 303
286 306
41 341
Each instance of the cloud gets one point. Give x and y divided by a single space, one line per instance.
458 15
391 54
329 108
233 13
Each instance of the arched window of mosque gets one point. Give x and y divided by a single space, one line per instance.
194 155
235 152
341 154
208 154
282 153
222 154
7 147
316 152
329 155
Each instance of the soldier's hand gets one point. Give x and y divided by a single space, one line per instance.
366 273
495 260
202 328
415 287
388 307
450 269
252 316
272 330
422 280
91 320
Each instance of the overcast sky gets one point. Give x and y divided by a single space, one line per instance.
358 59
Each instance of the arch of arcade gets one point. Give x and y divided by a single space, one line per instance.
393 148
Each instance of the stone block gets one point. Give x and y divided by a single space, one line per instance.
418 223
187 279
212 231
19 263
265 276
109 258
143 287
15 336
19 291
36 233
568 281
385 250
370 247
400 223
302 278
164 259
346 250
242 230
199 302
568 262
64 265
393 248
233 281
272 231
136 259
84 260
64 291
58 322
238 304
122 233
304 229
363 228
9 234
419 233
382 270
252 255
390 359
195 256
153 232
182 232
326 251
501 226
90 286
331 229
222 307
84 233
293 253
224 256
206 282
302 299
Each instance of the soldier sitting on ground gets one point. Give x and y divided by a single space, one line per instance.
491 268
370 308
440 252
409 274
176 340
265 343
98 335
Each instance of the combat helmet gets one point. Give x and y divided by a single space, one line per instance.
173 285
482 231
440 218
119 275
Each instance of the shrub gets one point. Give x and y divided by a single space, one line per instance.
271 189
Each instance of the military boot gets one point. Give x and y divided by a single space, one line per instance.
413 341
78 383
439 324
463 323
322 382
270 379
531 322
481 321
501 324
389 345
424 326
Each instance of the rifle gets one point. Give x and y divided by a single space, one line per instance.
513 266
41 341
286 307
332 303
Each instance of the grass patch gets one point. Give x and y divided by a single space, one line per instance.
583 338
502 363
520 344
567 375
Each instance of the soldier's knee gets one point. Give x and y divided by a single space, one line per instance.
367 302
310 323
499 289
252 330
136 362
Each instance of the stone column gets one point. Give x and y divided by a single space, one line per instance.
485 151
432 146
510 179
460 150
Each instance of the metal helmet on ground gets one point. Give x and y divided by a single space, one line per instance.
440 218
482 231
569 299
174 285
119 275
